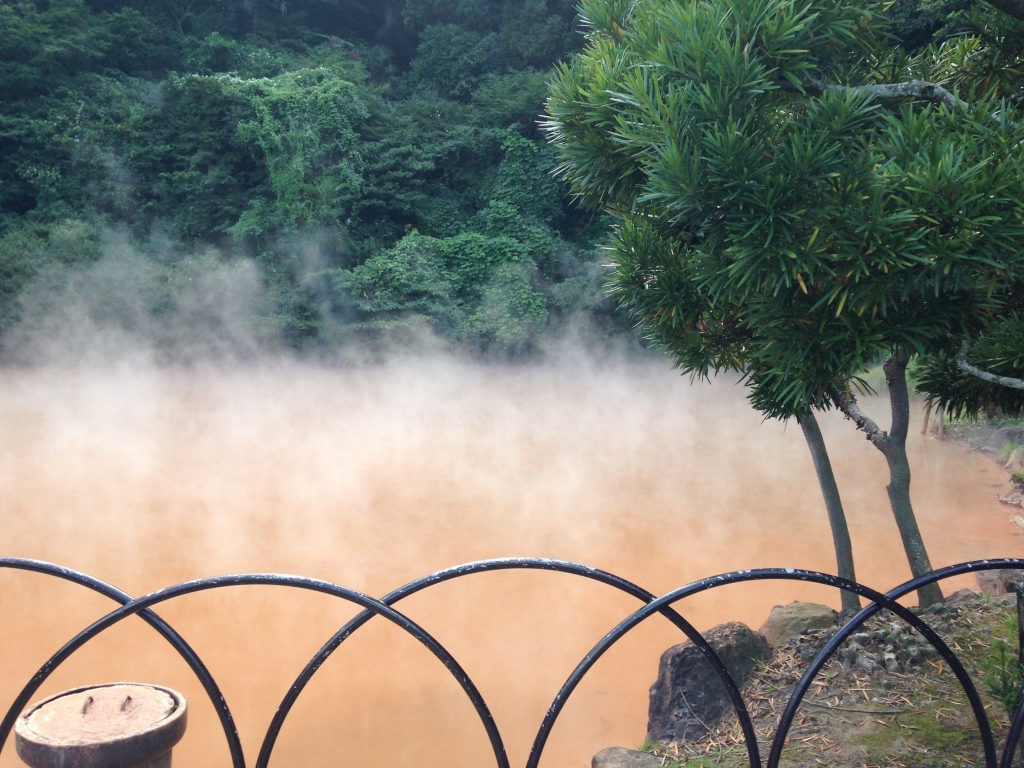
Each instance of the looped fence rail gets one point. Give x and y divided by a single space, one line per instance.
384 608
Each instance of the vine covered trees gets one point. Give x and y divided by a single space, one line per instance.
309 139
795 199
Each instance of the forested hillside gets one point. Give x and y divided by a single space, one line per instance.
367 165
378 161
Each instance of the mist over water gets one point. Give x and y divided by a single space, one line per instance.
373 475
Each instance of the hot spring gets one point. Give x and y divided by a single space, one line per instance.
372 476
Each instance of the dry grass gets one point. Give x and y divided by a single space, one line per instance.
851 719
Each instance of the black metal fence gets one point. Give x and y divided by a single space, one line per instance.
384 607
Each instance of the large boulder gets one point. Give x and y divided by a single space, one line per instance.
963 597
1002 436
688 699
787 622
998 582
620 757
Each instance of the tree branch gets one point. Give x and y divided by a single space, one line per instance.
1013 8
847 403
991 378
912 89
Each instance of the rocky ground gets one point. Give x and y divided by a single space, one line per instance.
886 699
1002 442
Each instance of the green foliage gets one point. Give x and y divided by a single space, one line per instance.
389 175
452 61
917 24
998 350
1005 452
406 277
511 312
25 252
511 99
304 131
204 178
774 221
525 180
1002 672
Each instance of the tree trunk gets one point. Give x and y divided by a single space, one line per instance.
899 477
927 417
834 506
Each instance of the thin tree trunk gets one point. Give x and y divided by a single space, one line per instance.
927 417
834 506
899 477
894 447
942 422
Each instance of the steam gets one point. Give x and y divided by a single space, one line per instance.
155 431
131 306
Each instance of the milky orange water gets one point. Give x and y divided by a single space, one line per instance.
373 476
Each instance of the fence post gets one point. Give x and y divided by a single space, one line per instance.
116 725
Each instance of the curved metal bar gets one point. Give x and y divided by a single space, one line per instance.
139 604
196 664
804 684
559 566
1016 727
760 574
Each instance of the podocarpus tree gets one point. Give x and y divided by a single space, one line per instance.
980 375
796 201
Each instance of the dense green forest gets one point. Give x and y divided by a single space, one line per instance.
365 167
377 161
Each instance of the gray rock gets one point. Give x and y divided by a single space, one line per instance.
1016 460
964 595
868 662
998 582
1000 437
688 698
620 757
786 622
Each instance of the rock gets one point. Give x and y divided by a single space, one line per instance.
979 437
867 662
1000 437
688 698
620 757
1013 498
1016 460
961 596
786 622
999 582
890 662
